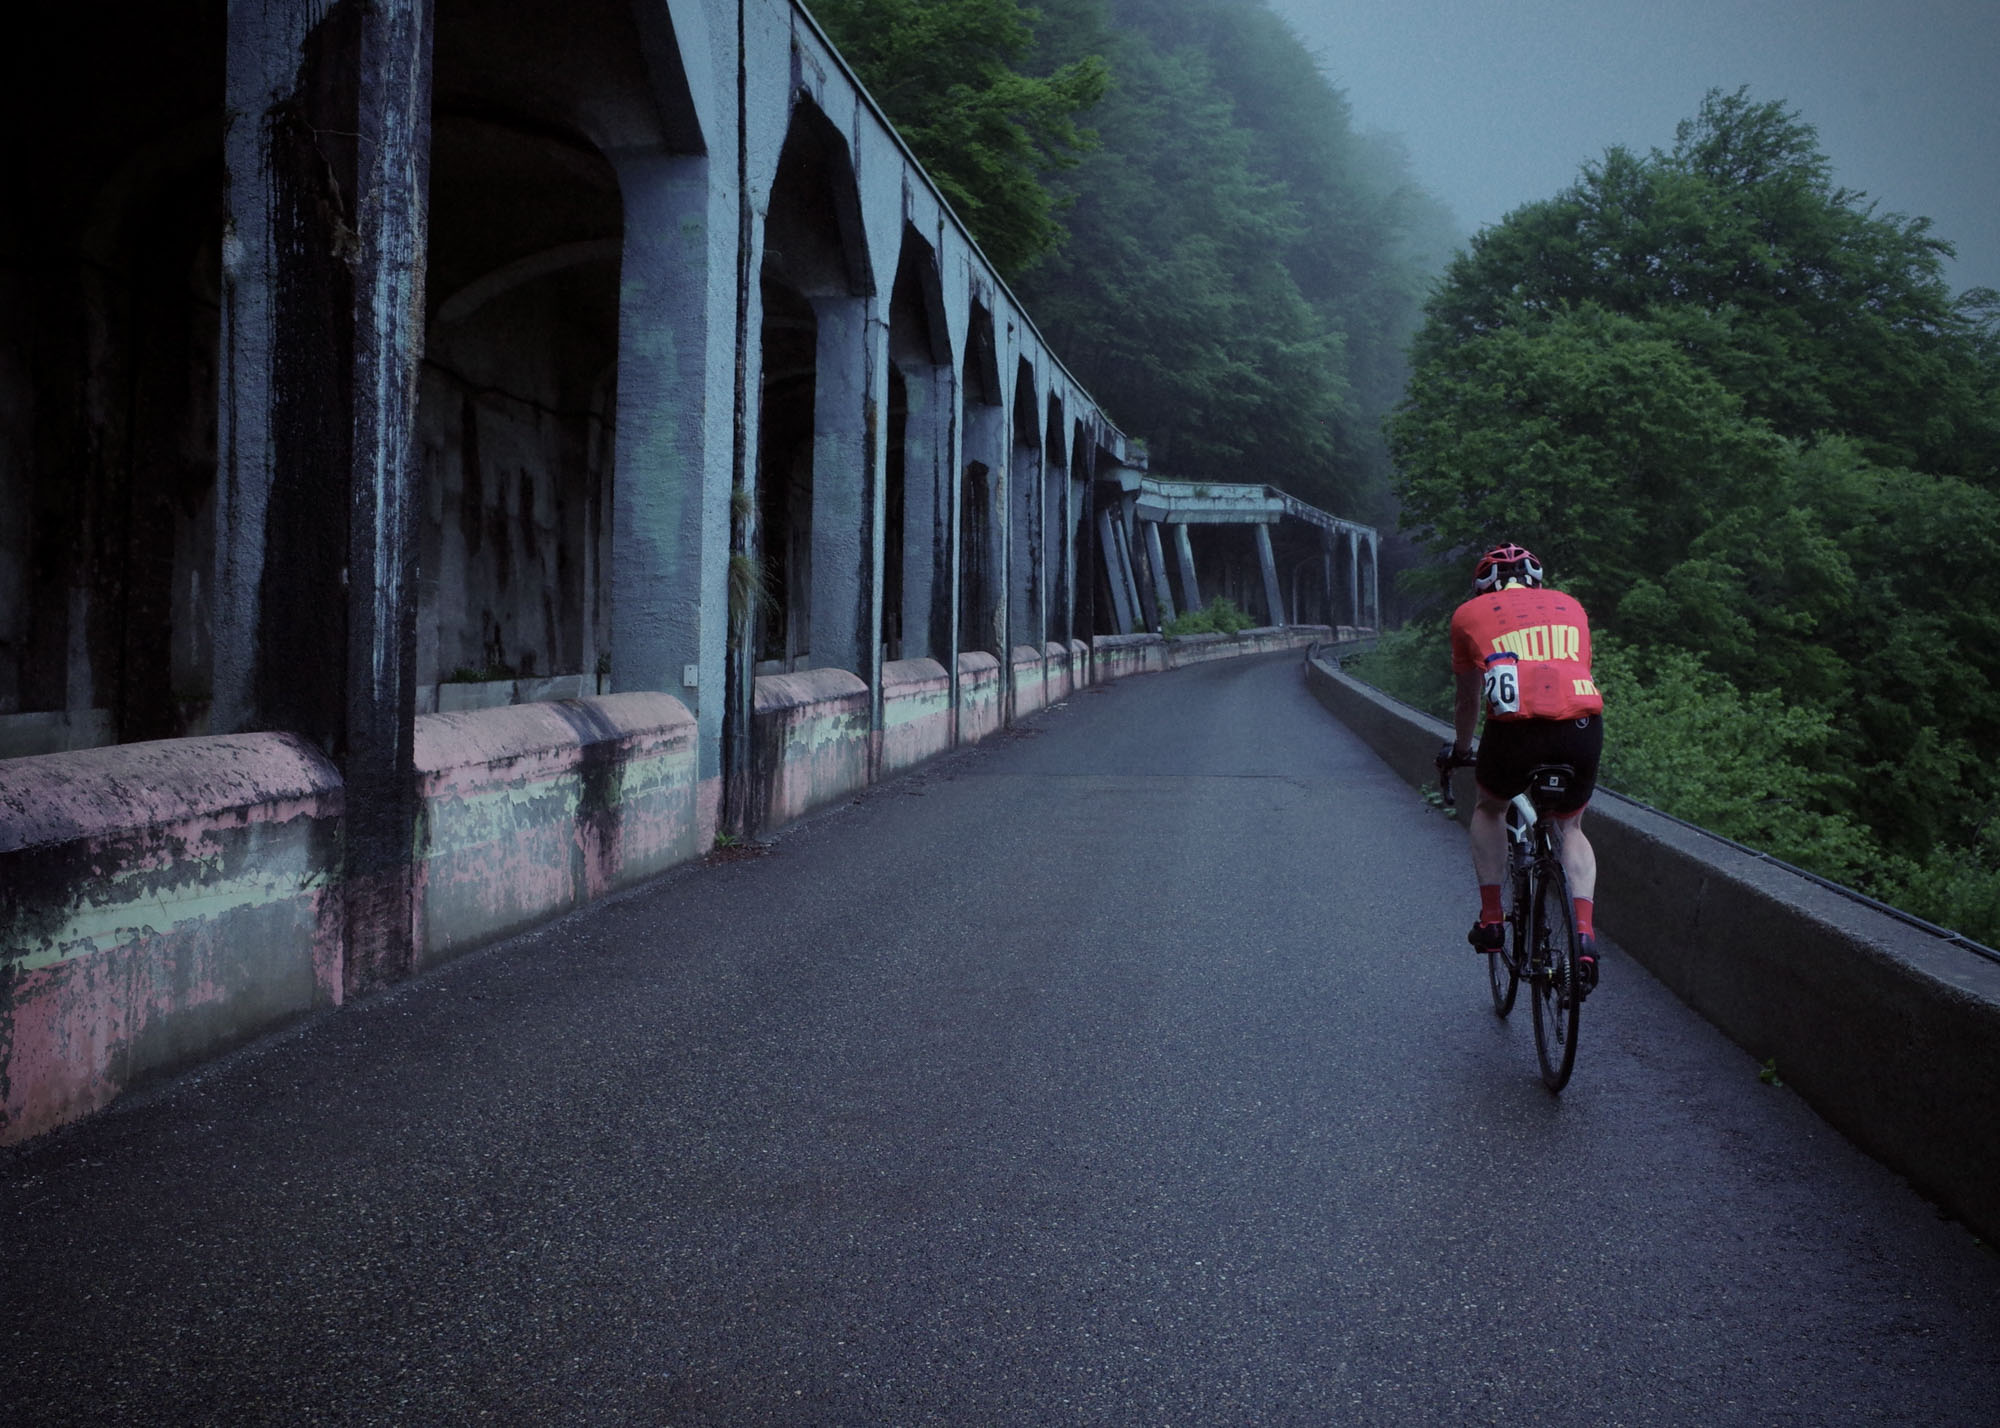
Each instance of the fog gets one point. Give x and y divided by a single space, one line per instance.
1502 103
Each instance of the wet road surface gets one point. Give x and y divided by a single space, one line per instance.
1127 1069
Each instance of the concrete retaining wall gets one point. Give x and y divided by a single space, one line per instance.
1889 1030
159 904
529 811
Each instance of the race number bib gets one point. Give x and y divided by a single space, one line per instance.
1503 685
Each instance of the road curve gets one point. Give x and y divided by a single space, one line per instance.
1127 1069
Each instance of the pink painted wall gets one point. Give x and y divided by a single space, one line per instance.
159 903
1030 681
916 712
810 742
531 810
978 696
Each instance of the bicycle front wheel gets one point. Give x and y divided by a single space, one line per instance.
1552 977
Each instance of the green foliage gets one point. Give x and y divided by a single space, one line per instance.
951 75
1739 415
1219 617
1749 767
1410 663
1226 265
1242 270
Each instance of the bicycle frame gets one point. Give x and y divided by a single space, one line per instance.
1540 947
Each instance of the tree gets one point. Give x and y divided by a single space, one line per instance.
949 75
1817 312
1737 412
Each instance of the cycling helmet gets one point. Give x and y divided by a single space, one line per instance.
1504 563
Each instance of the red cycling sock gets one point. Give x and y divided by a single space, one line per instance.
1489 903
1583 910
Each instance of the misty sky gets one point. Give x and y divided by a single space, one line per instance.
1501 101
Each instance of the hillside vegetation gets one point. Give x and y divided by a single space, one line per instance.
1735 408
1179 197
1740 415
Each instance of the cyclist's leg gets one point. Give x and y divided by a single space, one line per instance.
1487 831
1582 741
1497 777
1579 859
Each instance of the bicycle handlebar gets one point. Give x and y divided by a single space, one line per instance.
1448 758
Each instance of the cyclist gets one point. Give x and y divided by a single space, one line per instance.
1521 653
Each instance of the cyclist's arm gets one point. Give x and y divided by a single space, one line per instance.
1465 708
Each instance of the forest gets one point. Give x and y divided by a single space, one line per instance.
1737 410
1741 416
1180 198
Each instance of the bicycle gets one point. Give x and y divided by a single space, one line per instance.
1541 942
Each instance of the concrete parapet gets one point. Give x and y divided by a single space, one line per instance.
1120 655
1060 677
916 712
159 904
1182 650
1080 673
978 696
1888 1028
1031 683
809 743
528 811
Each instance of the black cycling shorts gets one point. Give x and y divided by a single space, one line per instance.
1508 748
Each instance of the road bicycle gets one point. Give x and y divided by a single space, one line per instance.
1541 943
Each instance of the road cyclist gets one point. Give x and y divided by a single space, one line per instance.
1520 656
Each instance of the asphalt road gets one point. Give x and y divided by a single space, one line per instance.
1127 1069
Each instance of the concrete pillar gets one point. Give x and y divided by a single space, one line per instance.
1184 548
1055 544
846 489
1025 594
323 334
1118 573
983 527
1161 590
1274 597
670 481
927 524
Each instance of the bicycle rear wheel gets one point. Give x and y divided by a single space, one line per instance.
1552 976
1503 968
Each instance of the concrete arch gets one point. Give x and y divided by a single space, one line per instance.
814 239
816 465
517 401
608 72
109 352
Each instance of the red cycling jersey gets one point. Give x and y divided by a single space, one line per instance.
1533 646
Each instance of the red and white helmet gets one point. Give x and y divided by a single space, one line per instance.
1505 563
